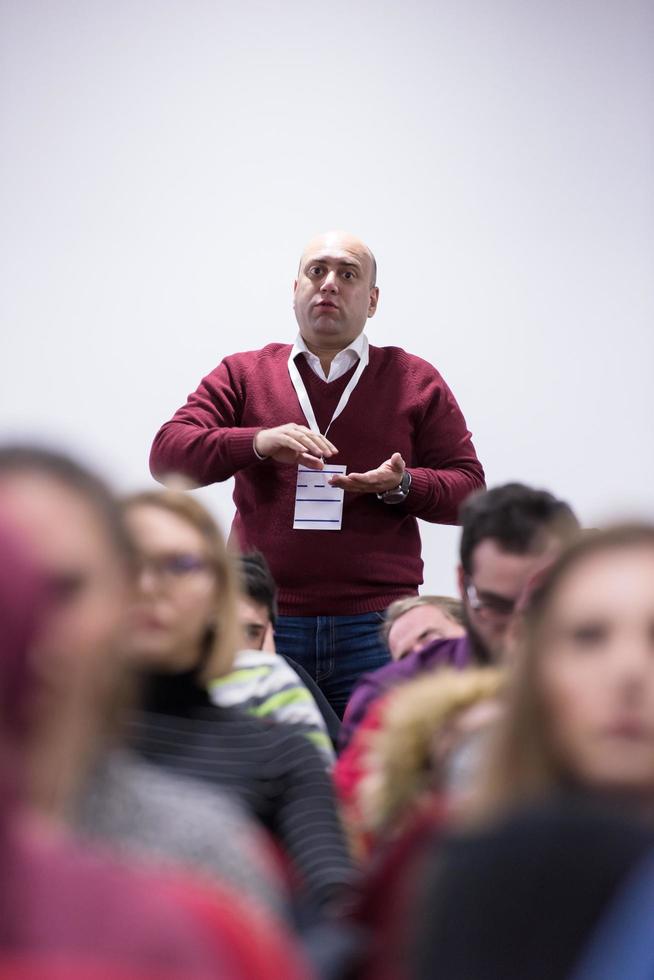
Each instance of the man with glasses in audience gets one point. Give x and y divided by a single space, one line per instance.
509 533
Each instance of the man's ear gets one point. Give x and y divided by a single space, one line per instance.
294 290
460 577
374 299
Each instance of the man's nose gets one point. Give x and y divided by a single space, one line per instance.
330 282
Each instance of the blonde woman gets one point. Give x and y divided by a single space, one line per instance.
184 633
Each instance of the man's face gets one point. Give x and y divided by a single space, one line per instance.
333 293
418 626
491 592
254 621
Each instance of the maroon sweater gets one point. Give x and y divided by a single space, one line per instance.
401 404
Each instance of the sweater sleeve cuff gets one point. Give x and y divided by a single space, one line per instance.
421 490
241 447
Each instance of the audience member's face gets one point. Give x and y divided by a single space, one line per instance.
176 590
89 583
333 296
254 621
419 626
597 670
497 582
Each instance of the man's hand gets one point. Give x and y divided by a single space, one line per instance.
293 443
385 477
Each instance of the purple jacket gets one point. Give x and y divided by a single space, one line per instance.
438 653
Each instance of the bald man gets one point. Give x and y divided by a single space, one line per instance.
336 448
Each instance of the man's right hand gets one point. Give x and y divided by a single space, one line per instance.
293 443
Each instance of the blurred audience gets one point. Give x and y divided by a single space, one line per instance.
429 747
80 773
420 767
260 682
497 783
564 812
184 633
67 911
508 534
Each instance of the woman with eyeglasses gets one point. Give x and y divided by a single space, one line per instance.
565 809
184 633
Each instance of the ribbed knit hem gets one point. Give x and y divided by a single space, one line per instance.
291 604
420 491
241 448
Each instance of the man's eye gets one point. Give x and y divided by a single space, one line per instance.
315 270
496 604
348 274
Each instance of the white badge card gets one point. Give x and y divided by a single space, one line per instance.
318 507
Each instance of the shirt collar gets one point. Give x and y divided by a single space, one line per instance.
300 347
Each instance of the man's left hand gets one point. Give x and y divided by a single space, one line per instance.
385 477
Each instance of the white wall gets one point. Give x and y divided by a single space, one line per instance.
163 163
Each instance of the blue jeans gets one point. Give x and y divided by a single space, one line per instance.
335 650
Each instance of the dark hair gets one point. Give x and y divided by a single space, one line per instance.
514 515
258 583
75 477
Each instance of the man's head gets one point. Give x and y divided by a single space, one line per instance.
413 622
335 291
257 604
509 532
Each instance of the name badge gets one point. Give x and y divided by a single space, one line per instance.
318 506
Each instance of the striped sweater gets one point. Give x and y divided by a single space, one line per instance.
266 686
273 770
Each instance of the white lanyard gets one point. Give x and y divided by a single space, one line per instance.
303 397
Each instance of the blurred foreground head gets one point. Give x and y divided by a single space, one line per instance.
580 709
508 534
68 520
185 613
22 599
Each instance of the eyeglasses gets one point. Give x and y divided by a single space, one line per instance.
174 567
488 604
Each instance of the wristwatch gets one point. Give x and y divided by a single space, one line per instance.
399 493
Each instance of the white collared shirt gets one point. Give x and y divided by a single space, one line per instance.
342 362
